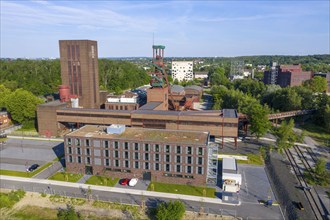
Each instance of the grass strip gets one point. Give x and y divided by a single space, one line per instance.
182 189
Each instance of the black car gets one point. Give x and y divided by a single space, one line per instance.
32 167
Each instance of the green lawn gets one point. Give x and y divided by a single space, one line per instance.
318 133
67 177
254 159
181 189
102 181
36 213
24 174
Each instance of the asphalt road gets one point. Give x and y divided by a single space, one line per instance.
247 210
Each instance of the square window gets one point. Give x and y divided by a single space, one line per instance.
156 157
167 149
88 144
116 145
189 160
78 151
126 163
116 163
200 160
157 166
106 153
88 152
189 169
157 148
70 159
178 159
126 155
79 159
126 145
69 142
106 144
189 150
116 154
107 162
136 155
146 147
77 142
136 165
136 146
167 168
70 150
146 166
200 151
88 160
199 170
178 168
167 158
178 149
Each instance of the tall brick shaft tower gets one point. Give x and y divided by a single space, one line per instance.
79 70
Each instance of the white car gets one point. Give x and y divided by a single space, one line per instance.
133 182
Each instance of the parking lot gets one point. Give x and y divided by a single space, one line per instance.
255 184
18 154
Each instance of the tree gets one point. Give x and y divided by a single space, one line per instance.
5 92
258 117
68 214
286 99
22 104
317 84
170 211
285 136
327 117
320 167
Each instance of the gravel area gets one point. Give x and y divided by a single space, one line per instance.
285 185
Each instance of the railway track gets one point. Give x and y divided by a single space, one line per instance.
310 193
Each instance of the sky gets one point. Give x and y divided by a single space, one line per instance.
32 29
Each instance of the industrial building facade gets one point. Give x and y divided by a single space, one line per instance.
286 75
79 70
150 154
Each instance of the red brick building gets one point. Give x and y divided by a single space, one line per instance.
287 75
159 155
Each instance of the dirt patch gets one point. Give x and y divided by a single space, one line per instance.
35 199
198 216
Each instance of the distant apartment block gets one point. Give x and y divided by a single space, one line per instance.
286 75
170 156
182 70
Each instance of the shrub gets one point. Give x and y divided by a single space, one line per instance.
170 211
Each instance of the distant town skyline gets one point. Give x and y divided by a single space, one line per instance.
32 29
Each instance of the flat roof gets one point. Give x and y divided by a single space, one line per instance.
54 103
150 105
229 113
229 164
144 134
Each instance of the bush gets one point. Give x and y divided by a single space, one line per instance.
170 211
8 200
68 214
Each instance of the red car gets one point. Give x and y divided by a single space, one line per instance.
124 182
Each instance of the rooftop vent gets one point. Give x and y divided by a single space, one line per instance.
115 129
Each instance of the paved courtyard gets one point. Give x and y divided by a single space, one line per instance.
18 154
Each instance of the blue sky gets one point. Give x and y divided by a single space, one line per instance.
187 28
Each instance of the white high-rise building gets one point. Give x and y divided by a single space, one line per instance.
182 70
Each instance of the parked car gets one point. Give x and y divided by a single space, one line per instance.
32 167
133 182
124 182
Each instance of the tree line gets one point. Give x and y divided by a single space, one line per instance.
257 100
22 82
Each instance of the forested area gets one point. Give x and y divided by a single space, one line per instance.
257 100
23 81
314 63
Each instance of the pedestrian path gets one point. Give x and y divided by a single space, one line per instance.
49 171
84 178
118 190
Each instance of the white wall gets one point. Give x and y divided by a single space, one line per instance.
182 70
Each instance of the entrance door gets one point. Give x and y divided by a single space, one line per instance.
89 170
147 176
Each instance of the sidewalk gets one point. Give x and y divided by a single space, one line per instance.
36 138
119 190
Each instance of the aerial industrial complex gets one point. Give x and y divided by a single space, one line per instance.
159 139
